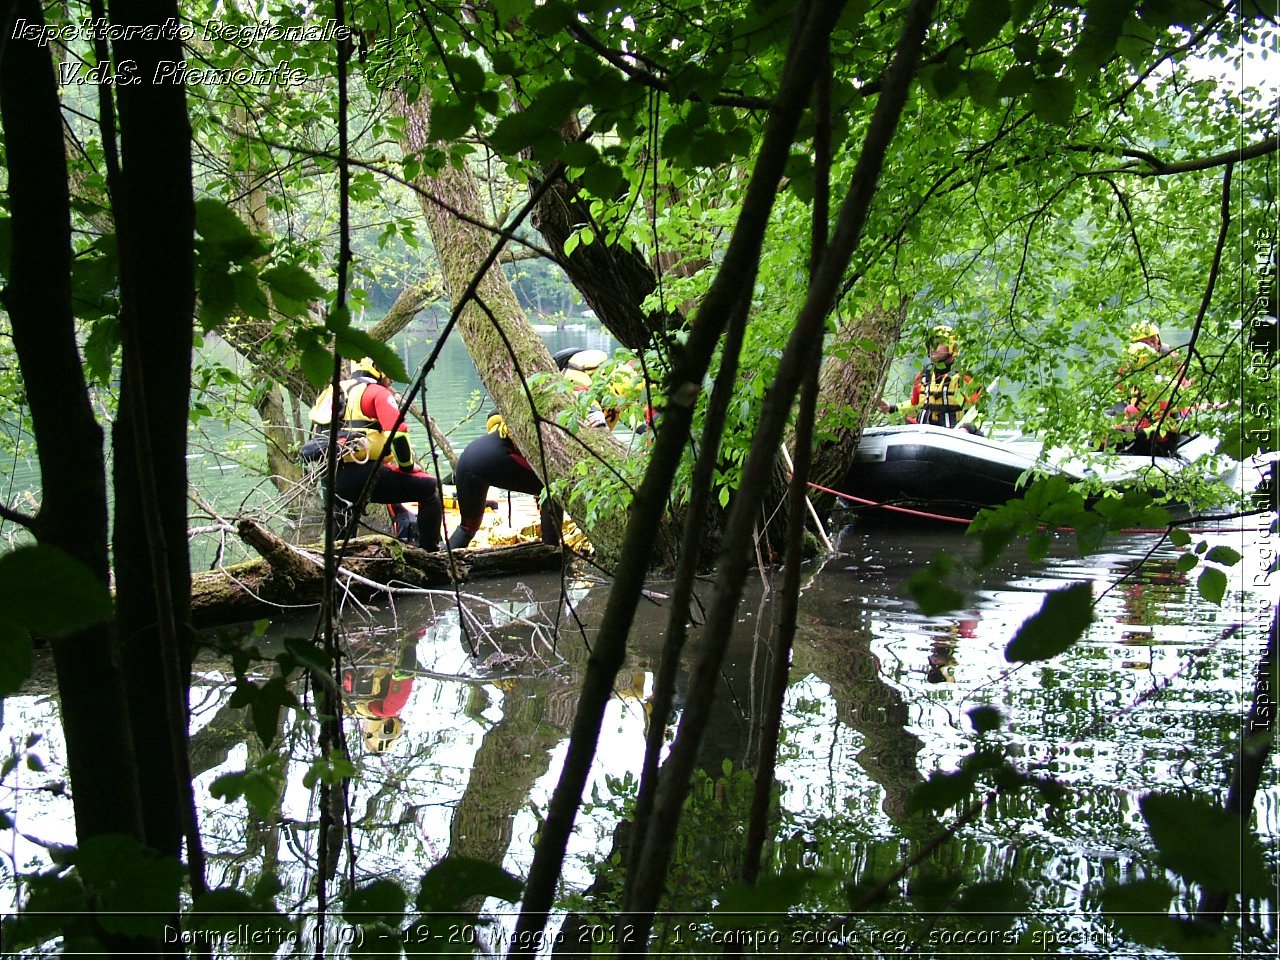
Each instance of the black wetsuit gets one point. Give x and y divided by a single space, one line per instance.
488 461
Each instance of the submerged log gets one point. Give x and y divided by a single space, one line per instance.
289 580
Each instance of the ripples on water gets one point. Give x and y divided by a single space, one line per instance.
1152 698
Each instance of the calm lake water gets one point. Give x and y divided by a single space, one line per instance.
1153 698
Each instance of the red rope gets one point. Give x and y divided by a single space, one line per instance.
938 516
888 506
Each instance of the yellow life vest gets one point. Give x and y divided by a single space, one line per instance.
941 397
360 439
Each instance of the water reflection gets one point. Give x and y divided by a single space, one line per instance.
484 693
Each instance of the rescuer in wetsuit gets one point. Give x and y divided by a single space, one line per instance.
370 411
492 460
377 696
1147 425
939 394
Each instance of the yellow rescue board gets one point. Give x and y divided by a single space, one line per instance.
515 520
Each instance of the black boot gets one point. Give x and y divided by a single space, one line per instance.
552 522
459 539
429 516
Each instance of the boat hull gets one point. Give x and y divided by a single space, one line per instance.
927 467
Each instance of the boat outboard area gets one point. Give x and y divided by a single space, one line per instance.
936 473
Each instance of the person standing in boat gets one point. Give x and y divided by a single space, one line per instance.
370 420
492 460
939 395
1146 381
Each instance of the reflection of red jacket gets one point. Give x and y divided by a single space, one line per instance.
392 699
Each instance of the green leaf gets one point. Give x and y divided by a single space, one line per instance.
228 238
603 179
317 364
382 901
217 297
452 121
50 592
308 654
226 911
455 880
945 81
1179 537
515 132
1053 99
942 790
578 153
986 719
354 343
17 658
332 770
1205 844
984 20
928 590
250 297
1212 584
54 902
466 73
983 88
100 349
137 889
1016 81
1062 620
1224 555
293 282
1186 563
992 904
741 904
259 786
550 18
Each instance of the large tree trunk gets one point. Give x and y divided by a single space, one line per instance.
613 280
851 380
155 221
506 349
73 509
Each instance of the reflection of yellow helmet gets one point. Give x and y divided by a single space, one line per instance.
366 365
1143 330
381 732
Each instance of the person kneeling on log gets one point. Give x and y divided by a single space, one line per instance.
370 420
492 460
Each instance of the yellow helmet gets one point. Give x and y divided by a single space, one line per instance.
366 365
381 732
587 360
941 333
1143 330
578 379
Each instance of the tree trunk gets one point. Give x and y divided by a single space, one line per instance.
506 349
613 280
286 577
851 380
155 223
73 510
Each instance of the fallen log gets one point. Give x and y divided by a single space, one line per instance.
288 580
